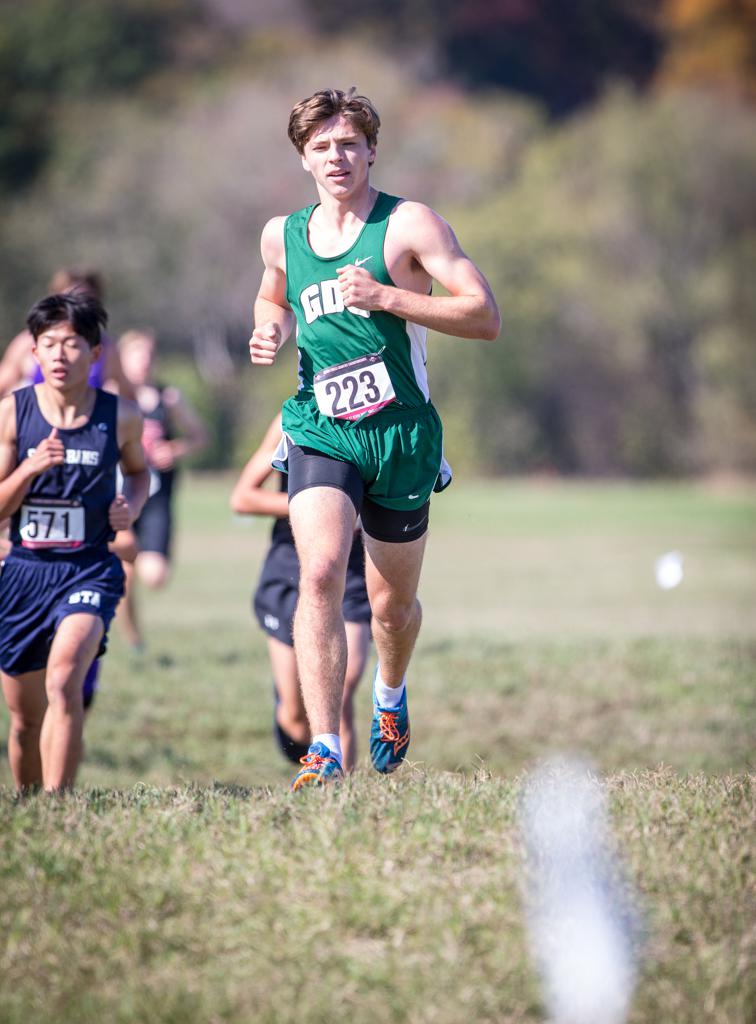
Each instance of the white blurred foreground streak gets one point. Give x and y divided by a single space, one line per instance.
581 921
668 570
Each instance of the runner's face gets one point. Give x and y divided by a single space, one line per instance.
338 157
137 359
65 358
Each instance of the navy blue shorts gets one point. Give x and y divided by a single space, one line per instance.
275 599
38 592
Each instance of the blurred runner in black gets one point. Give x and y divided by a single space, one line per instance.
172 431
275 601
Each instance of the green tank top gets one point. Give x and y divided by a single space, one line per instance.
327 332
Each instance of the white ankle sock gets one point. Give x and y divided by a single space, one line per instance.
387 696
332 741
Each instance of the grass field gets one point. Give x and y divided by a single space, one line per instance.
182 883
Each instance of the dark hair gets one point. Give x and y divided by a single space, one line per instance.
83 312
323 105
73 279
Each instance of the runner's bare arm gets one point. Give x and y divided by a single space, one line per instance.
114 379
274 318
192 432
16 477
13 362
126 507
5 544
418 234
249 497
124 545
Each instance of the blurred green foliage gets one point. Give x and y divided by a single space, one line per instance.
52 51
560 53
620 257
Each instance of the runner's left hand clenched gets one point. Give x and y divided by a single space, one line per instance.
359 288
161 456
119 513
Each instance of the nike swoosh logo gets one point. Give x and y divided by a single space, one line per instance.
358 263
417 526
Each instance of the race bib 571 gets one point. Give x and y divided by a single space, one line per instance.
47 523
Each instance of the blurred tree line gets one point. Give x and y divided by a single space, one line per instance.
596 159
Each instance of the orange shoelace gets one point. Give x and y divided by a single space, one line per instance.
313 760
389 730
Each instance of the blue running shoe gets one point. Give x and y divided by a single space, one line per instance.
319 767
389 735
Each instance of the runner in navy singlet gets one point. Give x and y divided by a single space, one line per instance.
60 444
18 368
275 601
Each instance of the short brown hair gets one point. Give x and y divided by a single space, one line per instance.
72 279
328 103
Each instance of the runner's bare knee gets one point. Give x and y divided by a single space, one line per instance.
393 615
63 689
322 576
25 731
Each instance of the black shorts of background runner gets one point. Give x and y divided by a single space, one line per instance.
154 527
275 599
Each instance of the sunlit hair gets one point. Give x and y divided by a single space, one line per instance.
71 279
135 336
83 312
321 106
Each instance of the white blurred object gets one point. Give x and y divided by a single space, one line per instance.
580 923
669 570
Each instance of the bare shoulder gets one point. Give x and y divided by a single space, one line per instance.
415 227
19 346
8 418
272 242
274 228
419 246
409 216
129 414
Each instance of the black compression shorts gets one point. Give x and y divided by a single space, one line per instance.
310 468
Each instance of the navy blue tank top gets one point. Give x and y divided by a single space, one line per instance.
66 508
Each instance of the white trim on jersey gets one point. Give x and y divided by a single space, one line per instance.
417 337
281 453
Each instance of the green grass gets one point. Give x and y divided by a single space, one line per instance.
387 901
182 883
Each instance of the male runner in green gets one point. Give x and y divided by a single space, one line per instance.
361 437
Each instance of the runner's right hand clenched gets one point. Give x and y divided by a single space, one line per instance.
265 343
49 452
